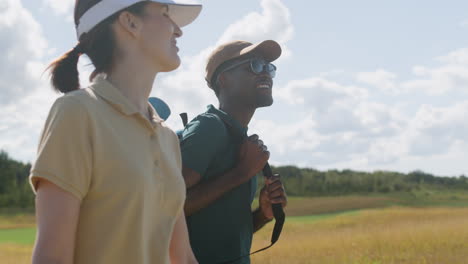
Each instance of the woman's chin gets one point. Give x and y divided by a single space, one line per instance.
171 65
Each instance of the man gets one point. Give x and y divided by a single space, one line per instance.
220 162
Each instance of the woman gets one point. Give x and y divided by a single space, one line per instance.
108 177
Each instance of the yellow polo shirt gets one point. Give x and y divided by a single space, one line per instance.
125 169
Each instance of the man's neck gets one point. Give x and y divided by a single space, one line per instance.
243 115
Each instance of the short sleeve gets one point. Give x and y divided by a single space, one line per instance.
64 154
201 140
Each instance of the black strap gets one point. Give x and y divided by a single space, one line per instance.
184 118
279 215
278 212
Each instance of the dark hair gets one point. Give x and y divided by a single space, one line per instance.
98 44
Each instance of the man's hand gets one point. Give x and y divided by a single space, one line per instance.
272 193
253 155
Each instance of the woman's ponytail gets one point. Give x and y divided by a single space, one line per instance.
99 44
64 74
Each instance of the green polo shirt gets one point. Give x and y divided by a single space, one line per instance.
223 230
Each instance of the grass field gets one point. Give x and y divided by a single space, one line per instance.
416 228
375 236
16 219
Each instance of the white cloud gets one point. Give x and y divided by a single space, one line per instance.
437 129
380 79
299 136
457 57
439 80
22 119
22 46
25 97
346 126
185 90
333 124
274 22
319 93
449 76
22 122
60 7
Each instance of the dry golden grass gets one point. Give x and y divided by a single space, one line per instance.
393 235
15 254
17 221
375 236
298 206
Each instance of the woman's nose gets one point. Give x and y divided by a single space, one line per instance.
177 31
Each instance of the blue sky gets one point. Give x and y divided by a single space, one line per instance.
365 85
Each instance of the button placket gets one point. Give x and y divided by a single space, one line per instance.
154 145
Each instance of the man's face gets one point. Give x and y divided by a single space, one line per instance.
246 87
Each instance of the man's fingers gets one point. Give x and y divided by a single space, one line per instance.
279 200
274 184
276 193
275 190
274 178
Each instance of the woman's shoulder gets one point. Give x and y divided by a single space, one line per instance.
83 96
75 100
76 104
169 132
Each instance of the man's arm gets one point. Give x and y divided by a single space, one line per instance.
252 157
203 194
259 219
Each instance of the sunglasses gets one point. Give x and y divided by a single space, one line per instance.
257 66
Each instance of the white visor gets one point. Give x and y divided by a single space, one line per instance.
181 13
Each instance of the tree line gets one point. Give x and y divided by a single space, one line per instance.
312 182
15 190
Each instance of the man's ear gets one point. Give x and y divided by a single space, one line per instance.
220 80
130 23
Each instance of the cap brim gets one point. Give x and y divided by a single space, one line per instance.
183 14
270 50
161 107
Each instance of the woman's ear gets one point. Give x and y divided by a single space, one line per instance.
130 23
